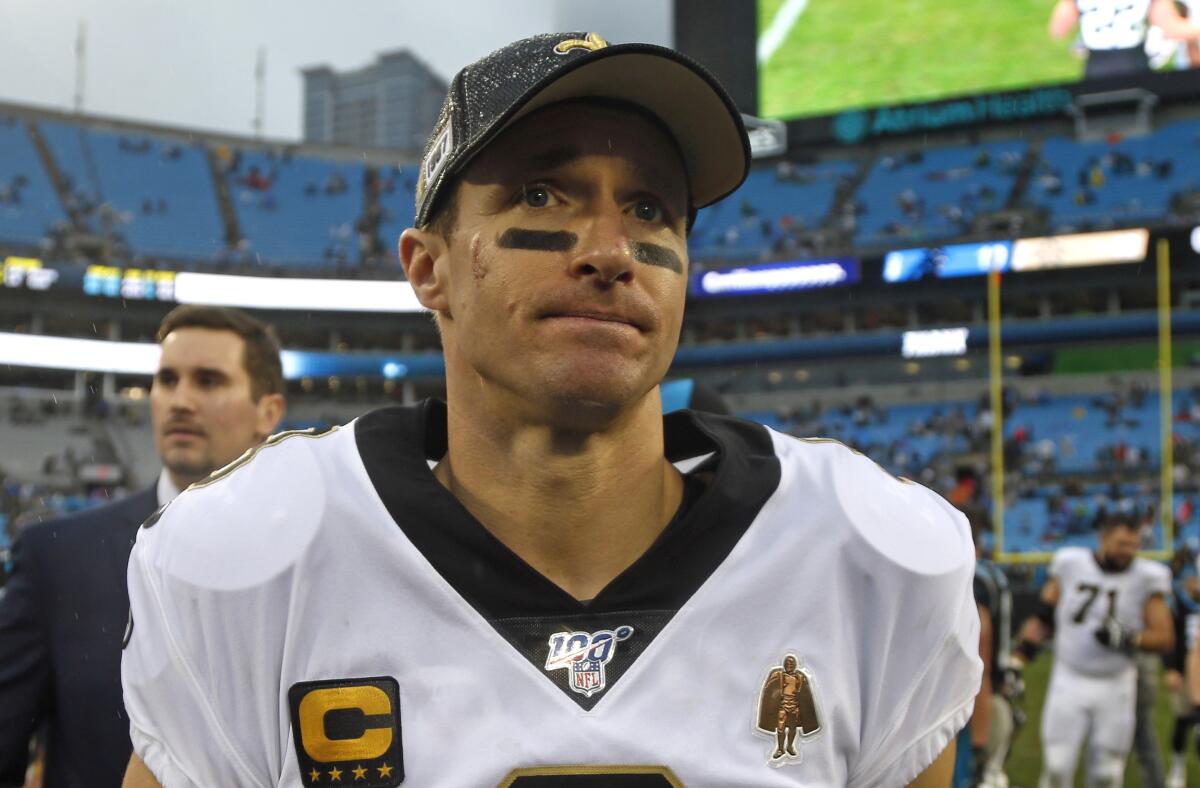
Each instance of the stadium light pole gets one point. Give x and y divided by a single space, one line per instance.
80 64
260 97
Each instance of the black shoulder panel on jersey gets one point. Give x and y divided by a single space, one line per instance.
397 443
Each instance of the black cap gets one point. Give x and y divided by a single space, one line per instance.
495 91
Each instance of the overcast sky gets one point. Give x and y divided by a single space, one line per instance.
192 63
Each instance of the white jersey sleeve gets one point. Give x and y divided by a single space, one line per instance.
1158 578
219 547
917 625
930 678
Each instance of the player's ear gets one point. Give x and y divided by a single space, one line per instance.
420 251
271 408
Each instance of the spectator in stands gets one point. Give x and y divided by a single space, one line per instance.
256 180
217 392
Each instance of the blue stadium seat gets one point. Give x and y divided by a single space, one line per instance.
156 193
943 191
397 197
303 210
754 221
28 205
1097 184
1084 434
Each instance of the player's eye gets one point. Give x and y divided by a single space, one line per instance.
648 210
536 196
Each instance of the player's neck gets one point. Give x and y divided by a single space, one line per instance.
577 507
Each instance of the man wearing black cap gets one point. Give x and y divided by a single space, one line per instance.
543 581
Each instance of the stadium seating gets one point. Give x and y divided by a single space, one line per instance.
28 205
30 448
155 193
297 210
1062 440
934 194
1091 185
757 219
68 146
306 210
163 190
397 196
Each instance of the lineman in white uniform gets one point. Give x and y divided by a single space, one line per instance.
543 576
1102 607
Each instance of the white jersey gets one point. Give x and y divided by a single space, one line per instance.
326 613
1088 595
1113 24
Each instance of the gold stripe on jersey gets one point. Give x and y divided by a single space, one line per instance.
852 450
251 453
515 778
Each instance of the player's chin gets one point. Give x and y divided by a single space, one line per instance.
592 396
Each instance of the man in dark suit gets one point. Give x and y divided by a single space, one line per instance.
218 391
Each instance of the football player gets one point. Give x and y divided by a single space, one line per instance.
1114 32
1186 613
992 722
502 588
1102 607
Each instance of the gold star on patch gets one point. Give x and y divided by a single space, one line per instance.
360 773
385 771
335 774
314 775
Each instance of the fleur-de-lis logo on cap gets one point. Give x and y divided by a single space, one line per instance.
591 43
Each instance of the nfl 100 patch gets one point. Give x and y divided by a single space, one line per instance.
347 731
585 655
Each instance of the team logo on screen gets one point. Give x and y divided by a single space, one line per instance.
584 655
788 711
348 731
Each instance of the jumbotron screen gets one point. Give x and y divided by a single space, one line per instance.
820 57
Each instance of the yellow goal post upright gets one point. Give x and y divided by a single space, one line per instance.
1166 411
1166 415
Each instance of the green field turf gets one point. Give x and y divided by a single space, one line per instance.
1026 762
861 53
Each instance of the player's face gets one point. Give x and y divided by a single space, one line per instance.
1119 546
201 405
566 274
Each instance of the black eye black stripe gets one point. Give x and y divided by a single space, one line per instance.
653 254
537 240
562 241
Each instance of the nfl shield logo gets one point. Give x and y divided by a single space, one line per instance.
584 655
587 676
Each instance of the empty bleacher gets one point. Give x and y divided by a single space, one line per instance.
297 210
29 208
155 193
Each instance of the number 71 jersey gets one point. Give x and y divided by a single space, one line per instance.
1088 594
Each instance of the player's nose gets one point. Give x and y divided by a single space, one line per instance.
604 249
